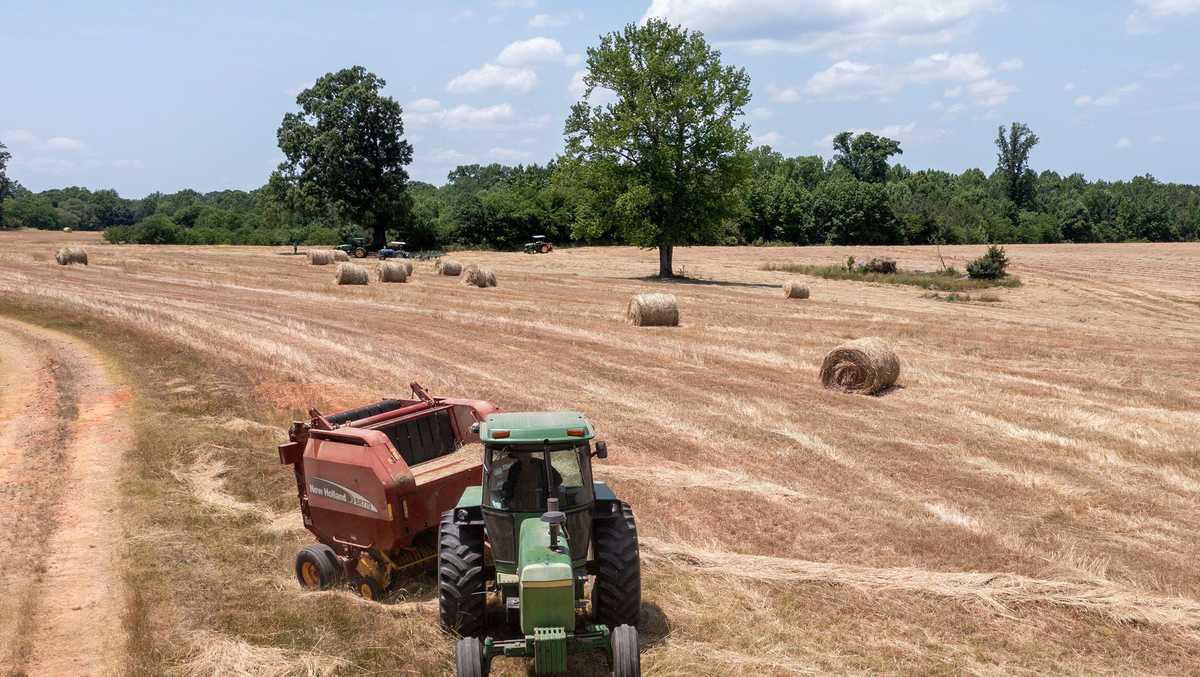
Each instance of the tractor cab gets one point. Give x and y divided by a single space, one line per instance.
539 245
549 528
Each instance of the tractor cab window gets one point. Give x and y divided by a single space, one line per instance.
520 479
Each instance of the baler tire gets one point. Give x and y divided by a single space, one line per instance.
468 658
627 662
617 590
461 600
320 559
366 588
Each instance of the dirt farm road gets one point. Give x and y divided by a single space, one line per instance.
63 432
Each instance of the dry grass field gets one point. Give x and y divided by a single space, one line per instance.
1026 501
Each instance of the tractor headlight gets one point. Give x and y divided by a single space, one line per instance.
461 515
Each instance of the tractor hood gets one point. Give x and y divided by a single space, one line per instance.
547 581
537 427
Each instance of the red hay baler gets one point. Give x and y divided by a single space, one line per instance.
373 482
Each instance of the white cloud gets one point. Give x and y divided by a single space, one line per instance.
850 80
845 80
128 164
508 153
1110 98
445 156
768 139
839 25
554 20
990 92
1069 87
956 109
509 4
1013 64
783 94
533 50
1150 13
427 112
576 87
944 66
63 143
1158 138
491 76
1123 143
26 140
761 113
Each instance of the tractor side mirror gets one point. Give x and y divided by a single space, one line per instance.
601 450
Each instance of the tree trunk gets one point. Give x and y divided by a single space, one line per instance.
665 252
378 235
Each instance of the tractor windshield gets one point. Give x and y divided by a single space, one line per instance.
520 479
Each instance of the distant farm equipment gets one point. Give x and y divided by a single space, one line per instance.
539 245
361 248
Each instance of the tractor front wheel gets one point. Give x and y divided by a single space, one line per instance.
460 577
360 253
318 567
468 658
617 591
627 662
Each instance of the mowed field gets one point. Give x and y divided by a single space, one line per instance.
1026 501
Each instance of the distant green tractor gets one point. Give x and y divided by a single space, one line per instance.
358 247
539 245
532 535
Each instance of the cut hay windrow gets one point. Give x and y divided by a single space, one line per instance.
351 273
448 267
320 257
217 654
866 365
341 256
475 276
392 271
997 590
795 289
71 255
653 310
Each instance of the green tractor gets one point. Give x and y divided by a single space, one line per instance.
539 245
530 537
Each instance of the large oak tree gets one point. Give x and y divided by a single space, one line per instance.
345 149
664 161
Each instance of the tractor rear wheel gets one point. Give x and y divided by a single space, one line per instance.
360 253
617 591
468 658
317 567
460 577
627 662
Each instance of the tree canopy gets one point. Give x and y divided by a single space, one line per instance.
665 160
5 156
865 155
1012 161
346 150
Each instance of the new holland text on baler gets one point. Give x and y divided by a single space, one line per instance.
536 512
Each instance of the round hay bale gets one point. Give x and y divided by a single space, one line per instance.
320 257
392 271
70 255
866 365
475 276
448 267
339 255
408 267
795 289
653 310
351 273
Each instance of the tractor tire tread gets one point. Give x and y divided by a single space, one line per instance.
627 662
461 599
617 591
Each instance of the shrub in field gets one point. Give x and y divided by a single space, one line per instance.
881 266
990 266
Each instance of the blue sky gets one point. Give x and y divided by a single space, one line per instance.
143 97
